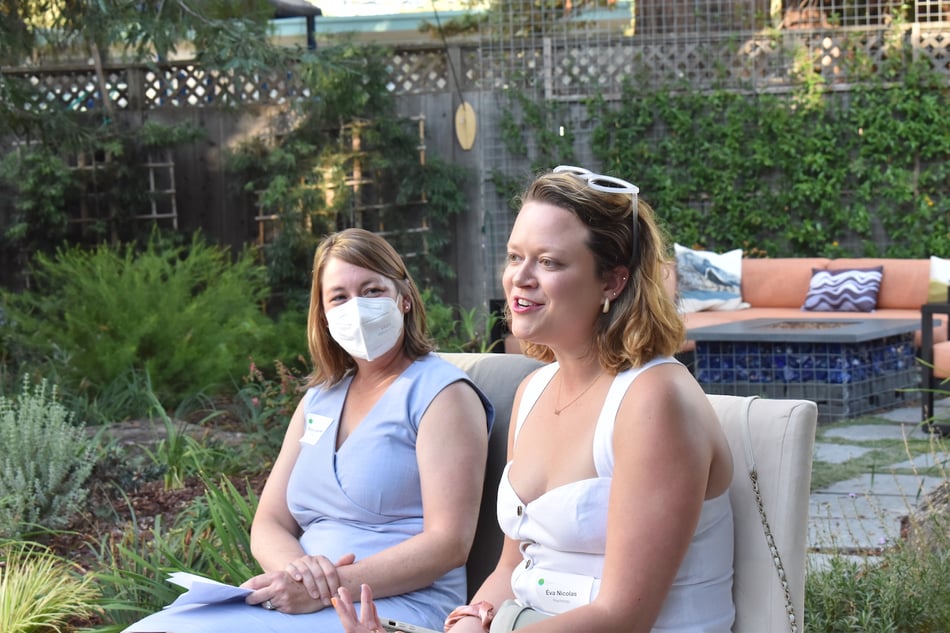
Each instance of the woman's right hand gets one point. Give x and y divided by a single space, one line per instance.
318 575
368 620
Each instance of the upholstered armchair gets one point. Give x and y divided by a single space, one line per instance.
777 436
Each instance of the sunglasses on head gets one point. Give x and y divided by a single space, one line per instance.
608 184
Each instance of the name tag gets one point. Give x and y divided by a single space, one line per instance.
557 592
315 427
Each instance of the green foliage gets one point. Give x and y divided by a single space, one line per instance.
456 329
266 400
178 454
534 128
42 180
805 175
902 590
152 134
127 395
40 591
211 538
227 33
49 191
132 574
44 464
349 162
221 524
900 585
810 173
186 317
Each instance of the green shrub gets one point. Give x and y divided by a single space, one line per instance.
40 591
264 403
901 587
44 464
456 329
902 591
210 538
185 317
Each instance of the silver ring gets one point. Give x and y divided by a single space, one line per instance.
269 605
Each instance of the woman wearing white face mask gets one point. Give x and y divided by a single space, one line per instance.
365 488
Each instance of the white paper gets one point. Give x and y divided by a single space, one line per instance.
203 590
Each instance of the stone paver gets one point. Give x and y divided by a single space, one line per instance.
863 514
838 453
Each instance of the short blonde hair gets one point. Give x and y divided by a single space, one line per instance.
367 250
643 322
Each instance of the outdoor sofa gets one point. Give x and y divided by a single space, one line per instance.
776 288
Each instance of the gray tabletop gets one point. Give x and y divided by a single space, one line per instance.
811 330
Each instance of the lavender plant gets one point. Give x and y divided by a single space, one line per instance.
45 462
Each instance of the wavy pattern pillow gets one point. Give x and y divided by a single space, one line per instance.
852 290
708 281
939 280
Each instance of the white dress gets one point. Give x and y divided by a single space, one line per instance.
563 535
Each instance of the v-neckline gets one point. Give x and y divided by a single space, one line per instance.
337 445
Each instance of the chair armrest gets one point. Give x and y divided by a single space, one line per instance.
927 312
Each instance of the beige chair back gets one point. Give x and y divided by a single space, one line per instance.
781 434
498 375
782 437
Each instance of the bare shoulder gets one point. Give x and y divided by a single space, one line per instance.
457 404
459 393
668 395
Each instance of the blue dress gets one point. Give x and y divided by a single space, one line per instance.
362 498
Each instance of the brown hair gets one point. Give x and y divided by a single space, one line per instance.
367 250
642 322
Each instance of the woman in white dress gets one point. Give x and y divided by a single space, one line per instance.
615 500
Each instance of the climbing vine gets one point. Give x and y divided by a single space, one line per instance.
812 172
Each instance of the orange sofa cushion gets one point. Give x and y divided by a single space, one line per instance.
942 362
905 282
778 282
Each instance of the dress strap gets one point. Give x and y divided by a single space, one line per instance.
604 433
532 392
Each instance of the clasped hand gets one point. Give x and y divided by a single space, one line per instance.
306 585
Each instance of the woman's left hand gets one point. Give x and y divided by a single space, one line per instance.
367 622
280 592
319 575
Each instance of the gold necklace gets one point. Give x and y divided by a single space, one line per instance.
557 409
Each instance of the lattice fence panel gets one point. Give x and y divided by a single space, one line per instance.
417 71
189 85
565 67
78 89
935 46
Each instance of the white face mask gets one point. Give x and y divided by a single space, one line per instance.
365 327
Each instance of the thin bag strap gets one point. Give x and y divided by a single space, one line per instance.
769 538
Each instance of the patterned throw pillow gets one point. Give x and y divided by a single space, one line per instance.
852 290
939 280
708 281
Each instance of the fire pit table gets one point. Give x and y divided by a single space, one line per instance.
849 367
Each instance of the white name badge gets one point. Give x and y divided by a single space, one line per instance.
557 592
315 427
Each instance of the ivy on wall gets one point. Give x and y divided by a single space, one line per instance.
809 173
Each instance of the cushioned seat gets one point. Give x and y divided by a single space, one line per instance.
781 434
